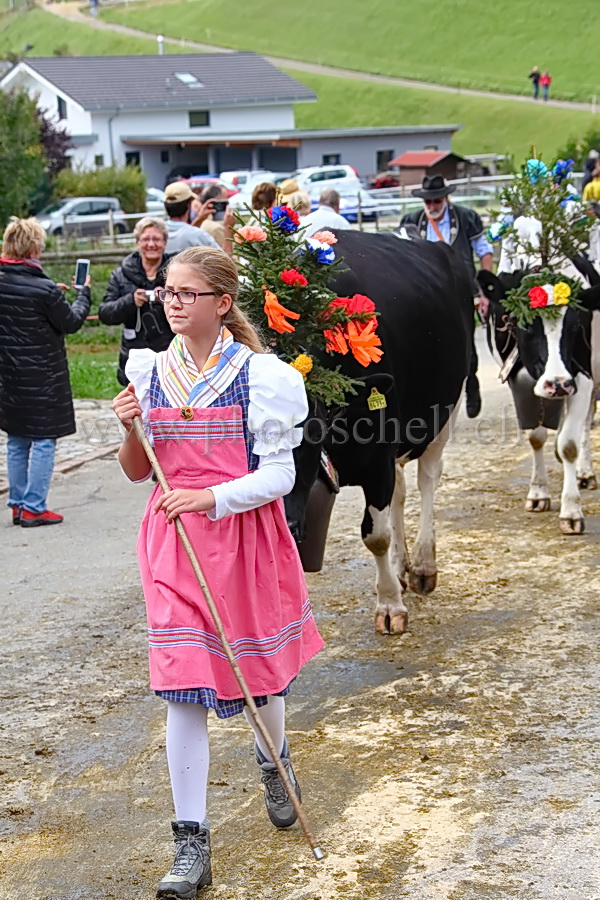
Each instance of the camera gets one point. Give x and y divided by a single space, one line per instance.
151 296
219 207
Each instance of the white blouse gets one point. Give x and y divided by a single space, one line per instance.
277 405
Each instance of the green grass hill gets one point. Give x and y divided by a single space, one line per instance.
491 46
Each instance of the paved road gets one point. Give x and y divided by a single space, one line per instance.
72 11
457 762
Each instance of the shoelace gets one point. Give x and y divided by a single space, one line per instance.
187 853
274 786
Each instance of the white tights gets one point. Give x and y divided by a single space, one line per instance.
188 751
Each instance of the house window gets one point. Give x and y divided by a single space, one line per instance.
165 156
332 159
384 158
431 147
62 108
132 158
199 119
99 161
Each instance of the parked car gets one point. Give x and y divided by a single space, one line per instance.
323 177
82 216
349 203
198 182
239 177
244 197
155 202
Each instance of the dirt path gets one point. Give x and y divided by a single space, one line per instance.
458 762
69 10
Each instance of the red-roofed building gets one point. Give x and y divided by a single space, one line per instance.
414 165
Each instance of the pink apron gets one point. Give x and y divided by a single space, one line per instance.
249 560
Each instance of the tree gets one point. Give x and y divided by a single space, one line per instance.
22 159
56 143
578 147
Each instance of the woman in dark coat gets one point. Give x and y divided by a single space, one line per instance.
129 298
36 405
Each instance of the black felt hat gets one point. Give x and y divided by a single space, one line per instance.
433 187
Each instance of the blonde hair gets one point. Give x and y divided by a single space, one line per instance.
150 222
21 236
220 273
300 201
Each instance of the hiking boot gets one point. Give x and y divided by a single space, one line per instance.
16 515
279 806
191 868
31 520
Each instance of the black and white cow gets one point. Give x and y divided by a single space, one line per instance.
551 374
423 295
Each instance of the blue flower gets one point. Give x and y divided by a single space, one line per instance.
322 252
536 170
285 218
562 169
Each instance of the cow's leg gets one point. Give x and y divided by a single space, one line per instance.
423 569
568 443
402 559
586 477
391 615
538 498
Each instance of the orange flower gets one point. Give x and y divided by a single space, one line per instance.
336 341
276 314
250 233
326 237
364 343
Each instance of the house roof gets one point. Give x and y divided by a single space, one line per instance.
297 134
152 82
421 159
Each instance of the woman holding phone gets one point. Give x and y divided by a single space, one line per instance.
129 298
36 405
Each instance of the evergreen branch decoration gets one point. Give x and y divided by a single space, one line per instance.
545 293
285 291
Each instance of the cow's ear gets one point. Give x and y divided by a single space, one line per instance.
490 285
590 298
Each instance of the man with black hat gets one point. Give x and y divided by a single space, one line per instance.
462 228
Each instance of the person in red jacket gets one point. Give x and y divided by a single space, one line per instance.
545 82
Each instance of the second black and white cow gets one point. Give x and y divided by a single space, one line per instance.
423 295
551 377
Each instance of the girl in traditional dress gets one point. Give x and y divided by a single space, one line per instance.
222 415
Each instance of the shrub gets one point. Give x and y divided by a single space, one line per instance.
128 184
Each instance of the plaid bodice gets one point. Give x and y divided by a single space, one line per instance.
238 393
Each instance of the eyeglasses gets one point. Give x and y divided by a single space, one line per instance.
184 297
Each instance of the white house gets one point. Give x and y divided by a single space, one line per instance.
200 113
165 112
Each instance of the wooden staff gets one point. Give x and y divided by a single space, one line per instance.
317 851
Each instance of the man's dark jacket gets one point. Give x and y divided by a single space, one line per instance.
148 321
35 392
465 225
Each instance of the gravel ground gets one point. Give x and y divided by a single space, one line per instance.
459 761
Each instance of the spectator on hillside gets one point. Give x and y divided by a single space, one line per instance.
326 216
129 299
545 82
178 203
534 76
263 195
36 405
588 168
219 223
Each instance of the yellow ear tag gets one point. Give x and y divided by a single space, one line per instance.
187 412
376 400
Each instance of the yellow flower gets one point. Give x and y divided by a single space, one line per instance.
562 292
303 364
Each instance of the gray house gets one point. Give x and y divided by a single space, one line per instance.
198 114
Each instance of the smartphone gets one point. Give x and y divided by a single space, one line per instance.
82 269
220 206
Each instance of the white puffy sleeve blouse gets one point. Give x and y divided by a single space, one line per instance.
277 406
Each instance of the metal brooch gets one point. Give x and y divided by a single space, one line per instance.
187 412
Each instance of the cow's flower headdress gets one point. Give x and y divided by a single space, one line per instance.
285 292
542 294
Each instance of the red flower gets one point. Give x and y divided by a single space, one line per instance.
294 278
538 297
359 303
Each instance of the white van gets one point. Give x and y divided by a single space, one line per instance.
315 177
